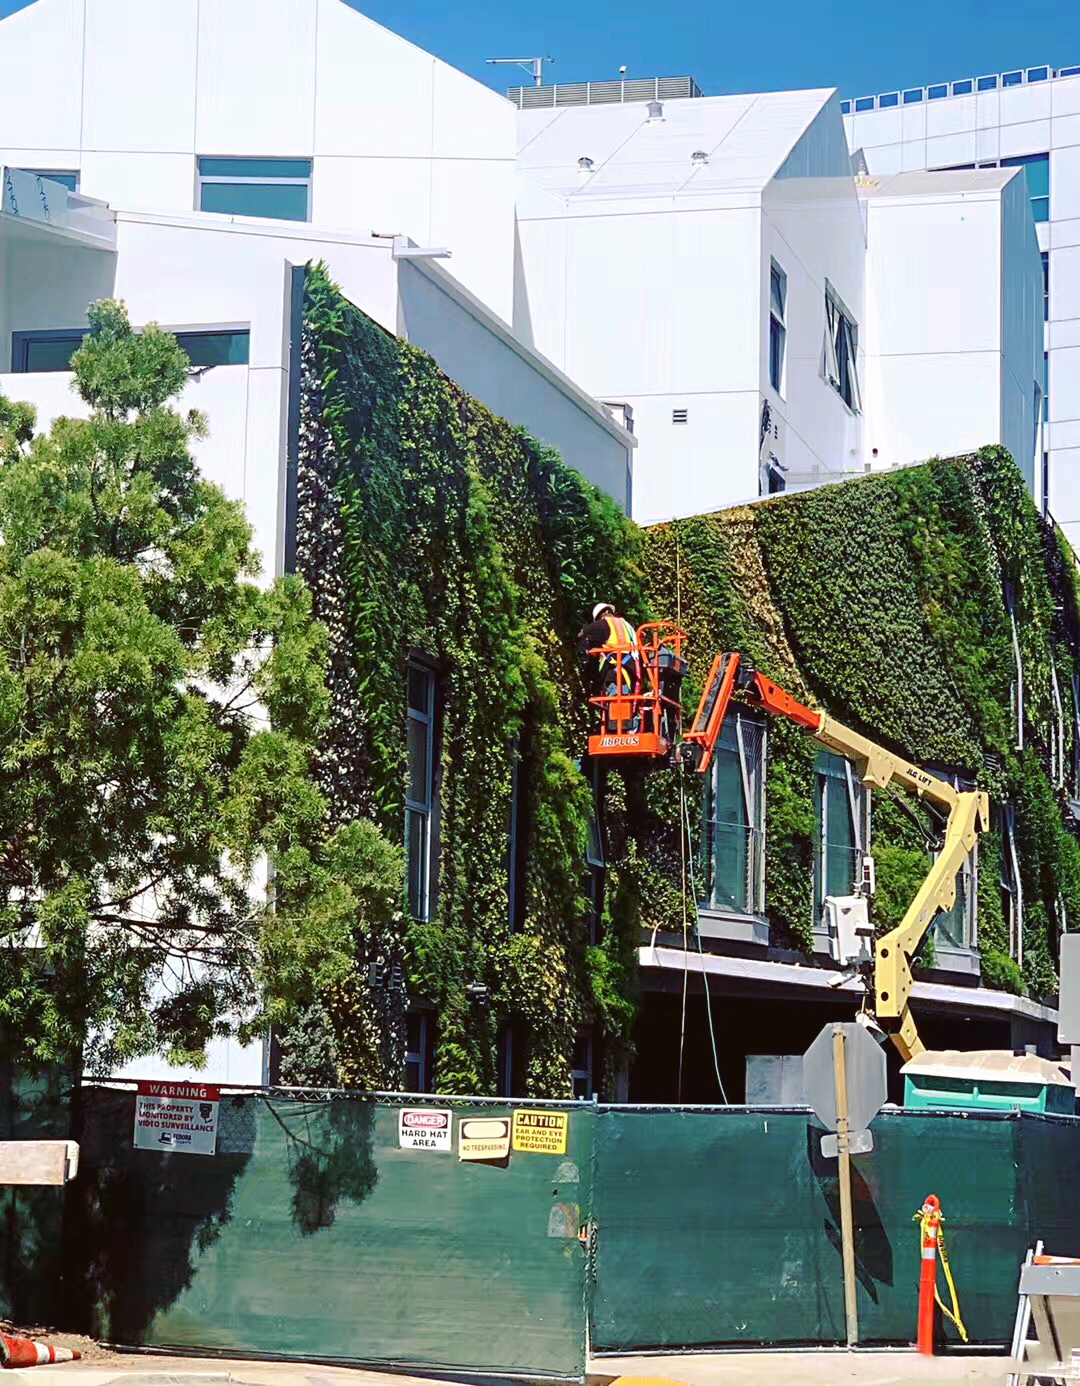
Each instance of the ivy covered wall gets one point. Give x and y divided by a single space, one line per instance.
428 528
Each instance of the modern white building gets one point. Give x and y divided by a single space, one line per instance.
709 271
1030 119
772 320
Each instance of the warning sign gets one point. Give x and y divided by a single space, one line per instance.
541 1133
484 1138
180 1118
426 1128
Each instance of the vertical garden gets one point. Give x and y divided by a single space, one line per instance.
437 537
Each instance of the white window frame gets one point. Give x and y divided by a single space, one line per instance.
841 337
205 179
422 809
750 733
778 317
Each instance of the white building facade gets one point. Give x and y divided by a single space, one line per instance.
715 264
1029 119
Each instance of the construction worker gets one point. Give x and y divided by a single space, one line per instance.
618 667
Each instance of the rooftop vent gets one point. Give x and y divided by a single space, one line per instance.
656 111
699 157
680 416
585 165
603 93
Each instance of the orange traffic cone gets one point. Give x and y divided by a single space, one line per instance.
22 1352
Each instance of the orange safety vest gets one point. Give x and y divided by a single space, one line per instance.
627 659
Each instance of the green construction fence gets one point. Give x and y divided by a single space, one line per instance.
313 1234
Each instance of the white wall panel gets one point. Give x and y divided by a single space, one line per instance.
717 452
944 150
366 194
933 406
1065 384
1065 130
469 120
65 159
1065 184
144 182
953 116
988 143
872 128
1063 435
1025 103
264 467
139 80
884 160
472 212
987 109
913 121
374 90
1065 490
1030 138
41 88
256 77
1065 96
1063 233
222 395
913 155
1064 334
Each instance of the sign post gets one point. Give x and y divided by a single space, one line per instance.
844 1081
847 1221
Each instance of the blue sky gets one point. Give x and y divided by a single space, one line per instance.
746 47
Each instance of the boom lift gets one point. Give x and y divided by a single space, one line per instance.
961 814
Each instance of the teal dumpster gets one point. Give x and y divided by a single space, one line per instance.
987 1080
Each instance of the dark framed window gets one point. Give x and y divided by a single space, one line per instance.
841 351
581 1067
1045 257
34 353
276 188
842 810
888 99
66 177
419 1048
420 786
733 824
777 327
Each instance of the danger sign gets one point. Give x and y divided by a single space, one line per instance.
178 1118
425 1128
541 1133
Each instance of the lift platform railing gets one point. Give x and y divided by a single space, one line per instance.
643 715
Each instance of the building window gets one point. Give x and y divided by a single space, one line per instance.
864 103
962 88
1012 79
1046 387
418 1025
841 350
1037 171
1046 483
581 1066
938 91
843 809
38 352
66 177
988 83
278 188
912 96
734 820
887 99
504 1061
955 928
1045 257
419 793
777 330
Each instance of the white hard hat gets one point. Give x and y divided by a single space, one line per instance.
599 609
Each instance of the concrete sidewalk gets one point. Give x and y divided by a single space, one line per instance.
821 1367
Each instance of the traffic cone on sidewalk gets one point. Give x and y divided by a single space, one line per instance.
23 1352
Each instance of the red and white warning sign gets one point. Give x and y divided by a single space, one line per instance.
425 1128
179 1118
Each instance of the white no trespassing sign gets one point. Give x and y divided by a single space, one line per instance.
178 1118
425 1128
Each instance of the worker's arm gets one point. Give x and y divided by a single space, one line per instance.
593 635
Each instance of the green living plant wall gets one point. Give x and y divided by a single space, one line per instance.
427 525
891 601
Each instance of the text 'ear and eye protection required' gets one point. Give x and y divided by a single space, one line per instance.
541 1133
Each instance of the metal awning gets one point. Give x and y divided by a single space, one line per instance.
823 982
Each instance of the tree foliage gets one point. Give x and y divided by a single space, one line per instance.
159 710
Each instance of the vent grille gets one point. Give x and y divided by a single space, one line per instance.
603 93
680 416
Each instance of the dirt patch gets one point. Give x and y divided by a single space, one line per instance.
87 1348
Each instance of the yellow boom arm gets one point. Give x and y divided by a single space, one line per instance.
965 814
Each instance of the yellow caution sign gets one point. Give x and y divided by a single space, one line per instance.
541 1133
